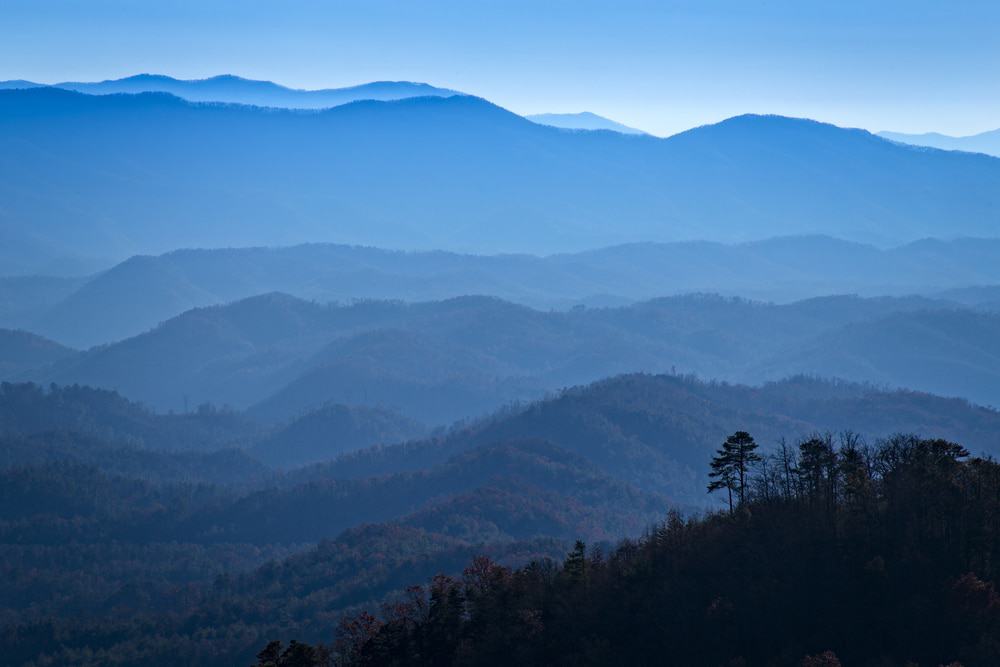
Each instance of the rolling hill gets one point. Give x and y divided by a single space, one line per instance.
955 352
332 430
142 292
117 175
27 410
21 351
25 299
659 432
435 362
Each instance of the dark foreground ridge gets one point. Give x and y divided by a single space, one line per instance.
838 555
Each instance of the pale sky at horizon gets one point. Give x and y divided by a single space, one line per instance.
663 67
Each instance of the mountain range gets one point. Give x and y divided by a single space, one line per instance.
231 89
143 291
227 88
268 356
435 362
109 176
984 142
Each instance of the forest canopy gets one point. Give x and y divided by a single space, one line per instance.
831 554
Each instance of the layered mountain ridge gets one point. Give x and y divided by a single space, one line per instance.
116 175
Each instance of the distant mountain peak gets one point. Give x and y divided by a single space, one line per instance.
146 76
771 129
584 120
758 119
987 142
20 83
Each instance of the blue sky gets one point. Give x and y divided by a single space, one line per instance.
664 66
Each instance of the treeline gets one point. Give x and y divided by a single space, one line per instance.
29 409
832 553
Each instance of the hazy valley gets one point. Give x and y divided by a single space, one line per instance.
271 357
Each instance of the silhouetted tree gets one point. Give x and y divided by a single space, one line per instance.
914 586
731 466
270 656
818 469
786 464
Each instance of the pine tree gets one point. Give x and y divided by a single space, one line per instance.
722 474
743 454
731 466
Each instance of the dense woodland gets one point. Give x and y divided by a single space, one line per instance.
130 537
830 555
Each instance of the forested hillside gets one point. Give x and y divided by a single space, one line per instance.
184 545
331 430
852 555
27 409
435 362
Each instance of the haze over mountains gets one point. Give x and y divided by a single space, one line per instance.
436 362
984 142
227 88
143 291
237 90
584 120
269 356
87 176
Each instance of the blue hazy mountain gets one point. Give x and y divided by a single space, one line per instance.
983 297
117 175
584 120
143 291
21 351
439 361
237 90
14 84
985 142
